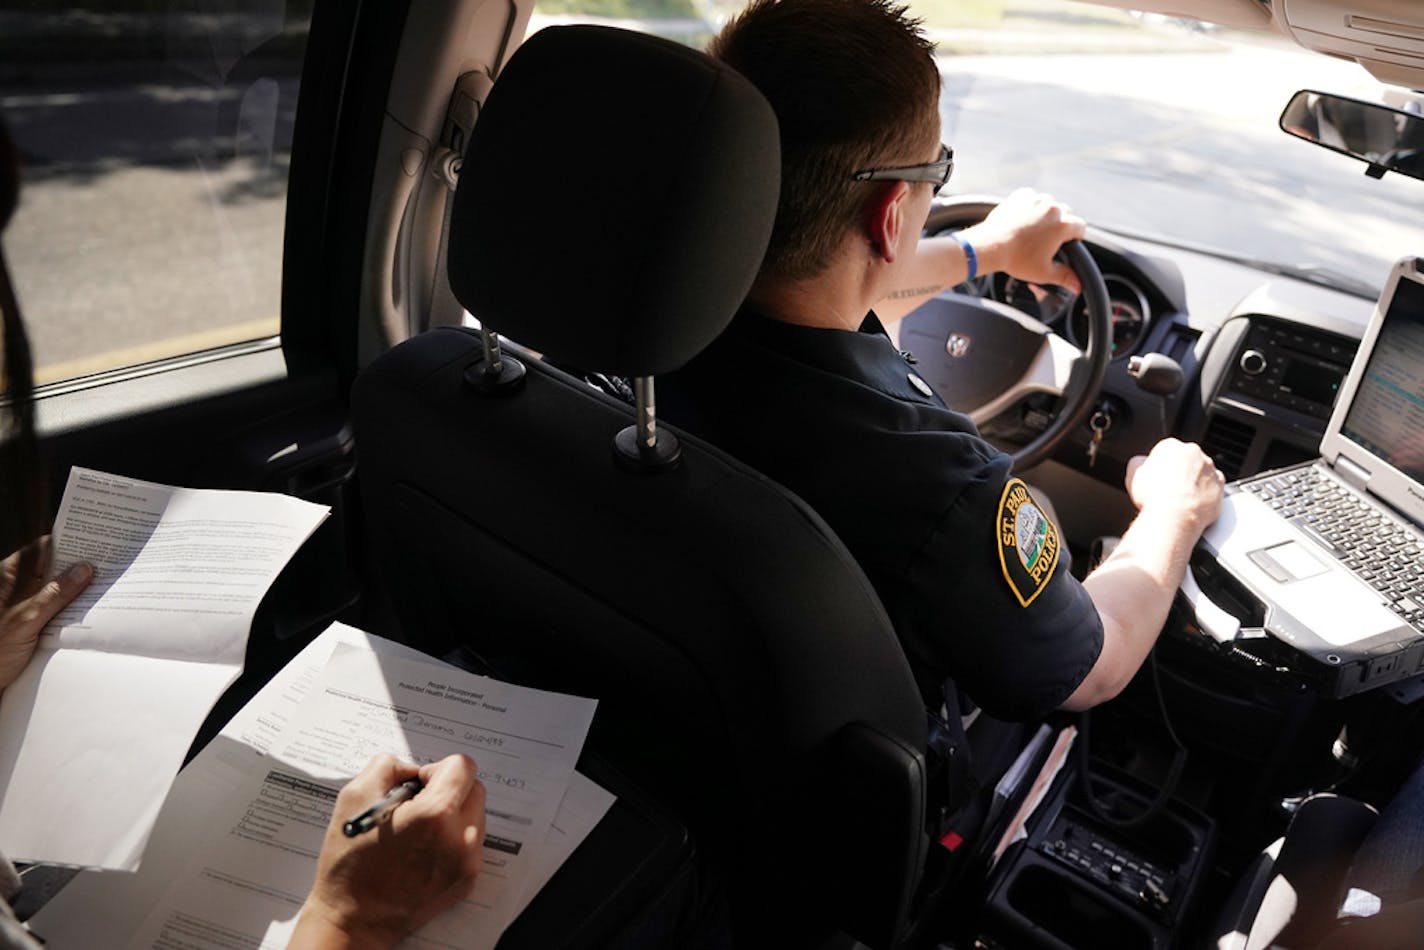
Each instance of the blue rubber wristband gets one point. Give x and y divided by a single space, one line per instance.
970 257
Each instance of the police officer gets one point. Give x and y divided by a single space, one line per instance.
806 386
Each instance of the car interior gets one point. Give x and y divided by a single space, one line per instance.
471 208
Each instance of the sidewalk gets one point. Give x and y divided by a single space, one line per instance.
1043 40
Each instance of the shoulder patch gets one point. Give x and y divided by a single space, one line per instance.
1028 543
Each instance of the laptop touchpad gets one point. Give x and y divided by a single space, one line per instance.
1287 562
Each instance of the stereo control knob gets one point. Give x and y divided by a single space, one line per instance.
1253 362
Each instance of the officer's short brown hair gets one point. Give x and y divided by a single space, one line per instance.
854 86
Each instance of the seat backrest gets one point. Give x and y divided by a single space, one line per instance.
1289 896
613 207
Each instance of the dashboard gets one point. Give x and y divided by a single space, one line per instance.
1065 311
1262 356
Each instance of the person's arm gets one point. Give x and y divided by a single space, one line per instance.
374 889
1018 237
28 603
1177 491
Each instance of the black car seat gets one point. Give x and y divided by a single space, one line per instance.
1291 896
613 207
1285 897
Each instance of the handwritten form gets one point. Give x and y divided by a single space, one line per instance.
99 909
123 677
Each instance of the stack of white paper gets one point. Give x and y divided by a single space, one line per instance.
94 729
234 853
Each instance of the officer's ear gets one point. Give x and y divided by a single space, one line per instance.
884 219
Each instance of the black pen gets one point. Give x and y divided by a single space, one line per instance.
382 809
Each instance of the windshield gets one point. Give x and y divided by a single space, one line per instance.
1145 125
1161 129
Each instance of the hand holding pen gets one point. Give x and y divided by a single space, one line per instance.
374 889
381 810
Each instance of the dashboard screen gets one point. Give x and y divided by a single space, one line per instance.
1312 380
1386 415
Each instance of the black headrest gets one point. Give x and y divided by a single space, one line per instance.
615 200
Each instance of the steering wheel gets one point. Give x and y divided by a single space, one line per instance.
983 356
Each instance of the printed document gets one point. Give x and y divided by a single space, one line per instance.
99 909
94 730
253 866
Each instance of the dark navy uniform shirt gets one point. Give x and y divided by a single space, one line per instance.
971 573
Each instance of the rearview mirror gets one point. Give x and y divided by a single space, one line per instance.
1386 139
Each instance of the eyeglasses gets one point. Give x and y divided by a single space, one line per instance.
936 173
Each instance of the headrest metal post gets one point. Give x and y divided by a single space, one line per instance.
495 374
647 421
641 447
490 341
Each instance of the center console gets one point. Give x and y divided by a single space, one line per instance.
1272 385
1286 365
1080 880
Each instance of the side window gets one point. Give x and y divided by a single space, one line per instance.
155 137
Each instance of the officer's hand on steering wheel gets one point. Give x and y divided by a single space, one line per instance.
1023 235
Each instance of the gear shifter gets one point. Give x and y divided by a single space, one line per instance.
1156 373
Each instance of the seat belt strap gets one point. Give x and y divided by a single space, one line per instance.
953 784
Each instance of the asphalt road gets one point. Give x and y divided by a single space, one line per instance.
152 214
151 217
1182 145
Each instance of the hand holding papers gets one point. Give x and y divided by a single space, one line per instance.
29 598
123 677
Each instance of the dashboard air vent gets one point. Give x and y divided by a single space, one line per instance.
1179 341
1227 441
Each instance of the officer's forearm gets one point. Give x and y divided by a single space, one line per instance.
1133 590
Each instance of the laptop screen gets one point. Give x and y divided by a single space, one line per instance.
1386 415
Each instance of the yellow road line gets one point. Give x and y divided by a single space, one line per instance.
157 350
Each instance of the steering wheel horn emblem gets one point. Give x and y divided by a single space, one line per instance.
957 345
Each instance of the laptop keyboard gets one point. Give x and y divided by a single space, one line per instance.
1380 549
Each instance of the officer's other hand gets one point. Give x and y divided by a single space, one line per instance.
28 603
1021 236
374 889
1177 478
